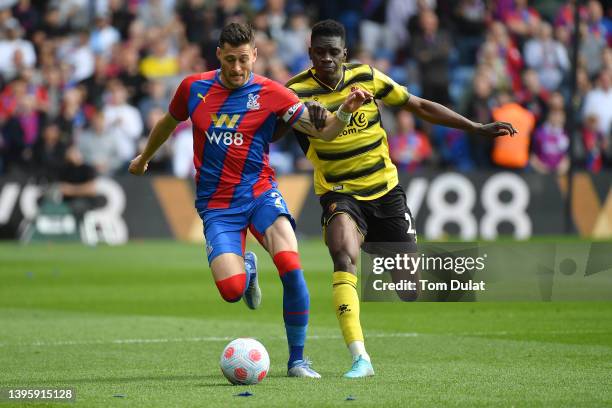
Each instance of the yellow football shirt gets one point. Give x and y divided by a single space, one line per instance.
357 162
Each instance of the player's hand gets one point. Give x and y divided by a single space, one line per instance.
496 129
356 98
138 166
317 113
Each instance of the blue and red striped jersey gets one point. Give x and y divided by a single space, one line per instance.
232 129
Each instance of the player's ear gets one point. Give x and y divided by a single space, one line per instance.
218 53
344 54
254 54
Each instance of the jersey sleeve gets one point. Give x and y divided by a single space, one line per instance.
389 91
178 105
287 105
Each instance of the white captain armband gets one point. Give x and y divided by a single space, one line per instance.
293 113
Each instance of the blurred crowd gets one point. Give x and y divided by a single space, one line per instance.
83 81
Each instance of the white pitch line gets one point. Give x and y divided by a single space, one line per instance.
179 340
311 337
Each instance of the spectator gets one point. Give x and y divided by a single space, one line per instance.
596 22
551 145
98 148
53 26
583 87
80 57
414 21
599 100
596 144
533 97
21 131
565 15
522 21
479 110
493 66
121 16
182 151
193 13
277 18
190 60
397 15
431 49
72 116
104 36
48 153
556 102
592 46
512 152
508 52
95 85
162 161
470 18
410 149
548 57
75 14
16 53
27 15
293 46
375 35
130 76
79 51
122 121
77 183
53 87
156 13
161 61
157 98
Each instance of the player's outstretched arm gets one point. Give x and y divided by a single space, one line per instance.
334 123
440 115
159 134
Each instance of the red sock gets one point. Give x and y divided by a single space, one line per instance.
232 288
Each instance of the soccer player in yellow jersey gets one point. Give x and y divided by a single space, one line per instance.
354 176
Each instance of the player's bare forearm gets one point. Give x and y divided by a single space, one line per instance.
159 134
440 115
333 126
334 123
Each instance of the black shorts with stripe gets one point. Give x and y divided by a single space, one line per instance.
384 219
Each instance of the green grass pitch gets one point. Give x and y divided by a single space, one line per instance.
143 325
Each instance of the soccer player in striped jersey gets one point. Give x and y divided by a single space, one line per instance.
234 114
354 176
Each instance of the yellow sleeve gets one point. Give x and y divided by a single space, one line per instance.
389 91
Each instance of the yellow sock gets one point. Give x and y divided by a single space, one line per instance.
346 303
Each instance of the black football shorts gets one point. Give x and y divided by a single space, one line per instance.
384 219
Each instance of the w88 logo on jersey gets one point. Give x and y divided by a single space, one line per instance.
226 138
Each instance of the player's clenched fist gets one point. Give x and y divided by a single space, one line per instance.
138 166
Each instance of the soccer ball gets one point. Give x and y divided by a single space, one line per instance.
245 361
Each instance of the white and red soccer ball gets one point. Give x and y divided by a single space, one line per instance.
245 361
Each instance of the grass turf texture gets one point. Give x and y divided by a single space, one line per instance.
143 325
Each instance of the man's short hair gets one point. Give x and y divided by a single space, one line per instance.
328 28
236 34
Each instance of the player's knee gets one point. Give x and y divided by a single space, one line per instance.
343 261
232 288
